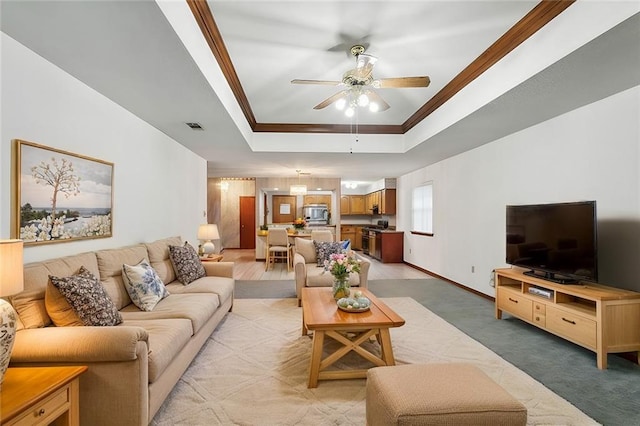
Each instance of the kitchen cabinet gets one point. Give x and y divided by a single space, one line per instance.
348 232
318 199
384 199
356 204
372 199
372 244
356 244
387 201
352 205
387 246
345 208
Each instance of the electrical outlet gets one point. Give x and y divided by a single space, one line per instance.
409 251
473 269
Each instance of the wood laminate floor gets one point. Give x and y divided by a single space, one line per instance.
248 268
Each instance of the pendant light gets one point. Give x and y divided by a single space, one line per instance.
298 189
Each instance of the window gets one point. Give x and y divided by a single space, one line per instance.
422 210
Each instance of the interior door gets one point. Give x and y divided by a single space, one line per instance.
284 208
247 222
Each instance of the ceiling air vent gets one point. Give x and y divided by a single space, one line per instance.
195 126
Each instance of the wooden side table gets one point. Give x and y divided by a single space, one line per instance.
41 395
213 258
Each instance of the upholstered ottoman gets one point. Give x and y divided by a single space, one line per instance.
439 394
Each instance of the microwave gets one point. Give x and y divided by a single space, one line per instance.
316 214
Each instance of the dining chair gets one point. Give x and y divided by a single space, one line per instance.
321 235
278 247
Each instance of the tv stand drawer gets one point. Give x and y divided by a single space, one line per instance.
574 327
515 303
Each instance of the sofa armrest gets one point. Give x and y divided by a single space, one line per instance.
77 344
218 269
365 264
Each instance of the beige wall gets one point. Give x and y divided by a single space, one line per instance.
223 208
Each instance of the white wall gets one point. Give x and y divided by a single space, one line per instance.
592 153
160 187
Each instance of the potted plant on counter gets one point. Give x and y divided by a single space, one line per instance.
299 224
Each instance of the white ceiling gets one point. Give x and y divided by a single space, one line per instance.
272 43
151 59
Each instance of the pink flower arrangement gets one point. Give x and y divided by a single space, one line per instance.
341 265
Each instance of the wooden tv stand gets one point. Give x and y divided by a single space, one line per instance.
600 318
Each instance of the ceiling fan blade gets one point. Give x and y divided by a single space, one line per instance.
325 82
332 99
400 82
374 97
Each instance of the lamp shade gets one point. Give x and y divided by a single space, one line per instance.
208 231
11 282
11 267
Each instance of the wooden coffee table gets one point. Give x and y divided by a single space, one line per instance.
321 315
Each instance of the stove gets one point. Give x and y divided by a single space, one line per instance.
381 224
368 232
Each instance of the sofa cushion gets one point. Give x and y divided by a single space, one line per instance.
29 304
306 249
186 263
166 339
221 286
31 309
324 249
143 284
60 311
69 265
110 263
198 308
88 298
159 257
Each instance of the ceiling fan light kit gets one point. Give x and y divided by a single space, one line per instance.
360 85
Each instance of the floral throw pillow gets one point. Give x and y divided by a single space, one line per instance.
88 298
324 249
186 263
144 285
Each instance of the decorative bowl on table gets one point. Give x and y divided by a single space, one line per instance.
354 304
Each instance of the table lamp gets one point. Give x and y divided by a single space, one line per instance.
11 282
206 233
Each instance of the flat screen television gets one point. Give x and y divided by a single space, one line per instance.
557 242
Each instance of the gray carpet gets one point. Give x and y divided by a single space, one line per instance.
611 397
271 289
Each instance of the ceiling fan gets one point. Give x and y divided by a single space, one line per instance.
360 85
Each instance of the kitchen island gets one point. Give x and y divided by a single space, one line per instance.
261 236
386 245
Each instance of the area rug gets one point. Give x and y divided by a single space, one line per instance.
253 370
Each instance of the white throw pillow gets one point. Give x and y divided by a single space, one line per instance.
144 285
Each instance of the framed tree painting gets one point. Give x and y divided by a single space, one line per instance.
60 196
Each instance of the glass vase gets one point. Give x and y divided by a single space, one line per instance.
341 287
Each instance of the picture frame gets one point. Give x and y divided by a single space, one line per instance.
60 196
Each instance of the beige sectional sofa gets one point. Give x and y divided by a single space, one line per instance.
134 365
309 274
